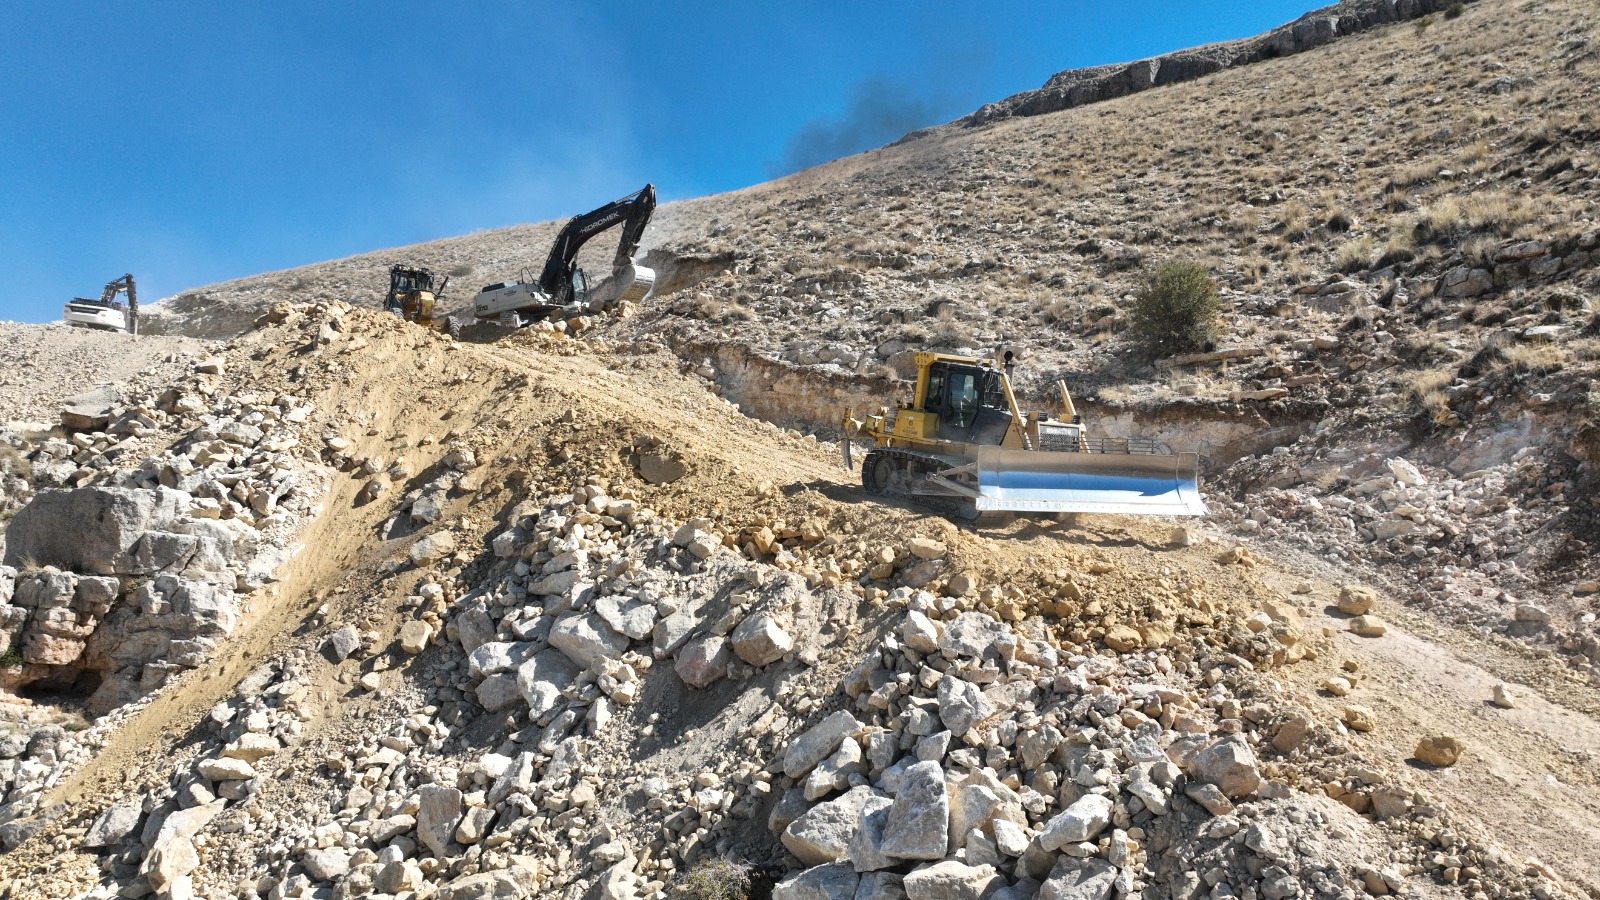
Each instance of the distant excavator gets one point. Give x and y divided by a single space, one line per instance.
964 439
562 289
107 313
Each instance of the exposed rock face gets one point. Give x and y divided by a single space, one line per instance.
1080 87
88 530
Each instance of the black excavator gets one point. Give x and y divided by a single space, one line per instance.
562 289
107 313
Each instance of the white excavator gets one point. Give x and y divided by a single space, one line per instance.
108 313
562 290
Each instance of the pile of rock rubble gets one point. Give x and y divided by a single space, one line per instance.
1470 544
139 567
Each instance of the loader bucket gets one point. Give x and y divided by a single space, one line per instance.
1128 483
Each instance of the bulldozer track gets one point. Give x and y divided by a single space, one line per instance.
899 486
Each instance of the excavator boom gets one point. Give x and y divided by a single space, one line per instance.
561 285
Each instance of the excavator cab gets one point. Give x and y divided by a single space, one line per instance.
580 289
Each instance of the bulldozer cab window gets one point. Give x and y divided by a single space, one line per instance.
934 398
963 397
954 394
994 396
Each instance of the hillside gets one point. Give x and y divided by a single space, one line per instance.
332 606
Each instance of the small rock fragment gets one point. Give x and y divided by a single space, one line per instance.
1439 750
1369 626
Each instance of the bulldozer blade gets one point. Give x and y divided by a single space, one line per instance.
1128 483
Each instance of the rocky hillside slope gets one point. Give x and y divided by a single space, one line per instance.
1407 264
345 608
560 621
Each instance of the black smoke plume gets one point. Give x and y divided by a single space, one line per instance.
880 110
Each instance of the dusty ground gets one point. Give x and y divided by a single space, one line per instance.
40 365
1334 213
553 414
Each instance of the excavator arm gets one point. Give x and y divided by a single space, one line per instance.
109 296
632 212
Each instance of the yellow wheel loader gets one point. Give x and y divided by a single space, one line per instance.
963 438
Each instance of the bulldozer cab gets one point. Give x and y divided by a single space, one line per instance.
413 295
970 402
407 280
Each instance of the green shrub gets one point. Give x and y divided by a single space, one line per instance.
717 879
1175 311
10 659
1455 10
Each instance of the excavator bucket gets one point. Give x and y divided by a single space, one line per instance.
1050 482
637 282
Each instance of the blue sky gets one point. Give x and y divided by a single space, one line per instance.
196 142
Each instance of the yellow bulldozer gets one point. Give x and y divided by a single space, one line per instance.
414 295
965 439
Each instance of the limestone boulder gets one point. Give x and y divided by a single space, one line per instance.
414 636
586 638
962 704
626 616
919 821
703 660
1079 879
971 635
226 769
327 864
90 410
543 677
952 880
1355 600
1230 765
823 834
1085 818
866 847
760 641
438 813
114 825
433 548
514 883
1439 750
832 881
818 743
87 529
